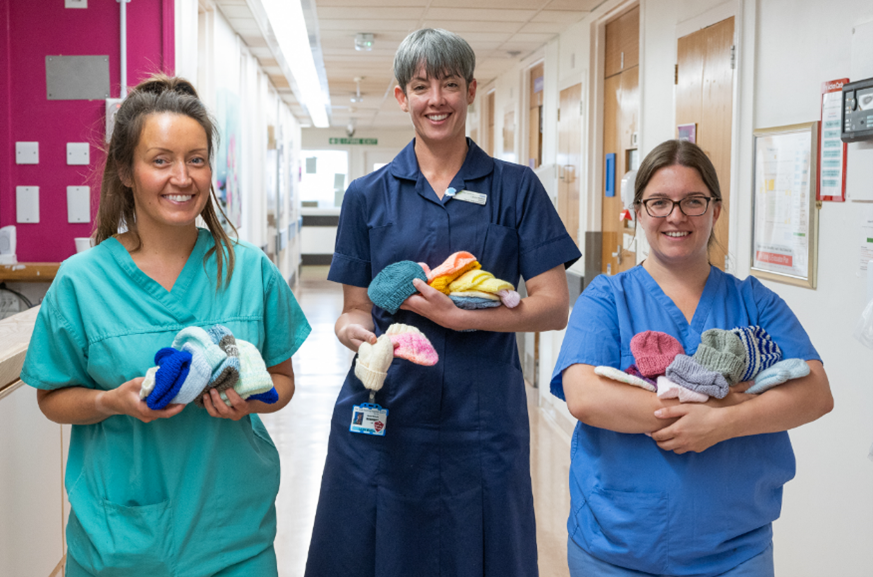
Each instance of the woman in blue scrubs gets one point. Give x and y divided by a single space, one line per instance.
185 490
447 490
658 487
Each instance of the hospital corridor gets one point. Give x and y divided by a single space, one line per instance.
569 288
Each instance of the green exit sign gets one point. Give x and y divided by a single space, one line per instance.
354 141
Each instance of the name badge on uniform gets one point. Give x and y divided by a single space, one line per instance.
369 419
470 196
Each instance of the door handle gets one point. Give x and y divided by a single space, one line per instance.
617 254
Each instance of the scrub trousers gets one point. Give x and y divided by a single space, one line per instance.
584 565
262 565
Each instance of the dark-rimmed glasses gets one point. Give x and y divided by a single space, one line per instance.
663 207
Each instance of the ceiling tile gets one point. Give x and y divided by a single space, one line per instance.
355 25
464 27
550 28
568 16
494 4
370 13
371 3
468 13
235 11
575 5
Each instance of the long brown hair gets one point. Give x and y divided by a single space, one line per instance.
157 94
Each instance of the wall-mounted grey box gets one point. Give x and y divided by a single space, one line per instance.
77 77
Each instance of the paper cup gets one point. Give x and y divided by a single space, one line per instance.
83 244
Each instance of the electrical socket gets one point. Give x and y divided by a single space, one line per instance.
9 304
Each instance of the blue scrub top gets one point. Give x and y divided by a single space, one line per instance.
638 507
185 496
447 490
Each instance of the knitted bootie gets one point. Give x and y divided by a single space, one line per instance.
667 389
371 366
411 344
654 351
684 371
394 285
779 373
761 352
623 377
723 352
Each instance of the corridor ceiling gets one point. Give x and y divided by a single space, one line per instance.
501 32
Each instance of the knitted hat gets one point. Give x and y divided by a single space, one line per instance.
761 352
635 372
148 383
779 373
269 398
509 298
225 340
667 389
411 344
686 372
371 366
226 375
217 332
394 285
623 377
200 338
473 303
454 266
477 294
254 378
654 351
199 374
169 377
479 280
723 352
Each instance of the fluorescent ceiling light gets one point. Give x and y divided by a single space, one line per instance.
289 26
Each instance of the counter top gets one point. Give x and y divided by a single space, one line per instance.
15 334
29 272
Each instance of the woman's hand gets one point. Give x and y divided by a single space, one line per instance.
433 305
217 408
353 334
124 400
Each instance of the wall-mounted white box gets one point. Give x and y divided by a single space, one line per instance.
75 3
27 204
27 153
78 204
78 153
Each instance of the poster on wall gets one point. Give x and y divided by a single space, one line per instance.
832 150
784 234
227 156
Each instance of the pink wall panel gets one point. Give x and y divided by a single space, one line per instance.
32 31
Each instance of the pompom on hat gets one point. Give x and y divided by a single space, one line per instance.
393 285
723 352
654 351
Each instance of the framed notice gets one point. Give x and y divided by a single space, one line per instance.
832 151
785 230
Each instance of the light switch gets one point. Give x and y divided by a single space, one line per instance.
27 153
78 153
27 204
78 204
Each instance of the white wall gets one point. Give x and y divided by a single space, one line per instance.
390 142
786 49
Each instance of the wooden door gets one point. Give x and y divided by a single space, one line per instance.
569 158
704 96
491 137
621 109
534 117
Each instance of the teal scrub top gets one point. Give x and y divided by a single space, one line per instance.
188 495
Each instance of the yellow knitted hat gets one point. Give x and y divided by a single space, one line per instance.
479 280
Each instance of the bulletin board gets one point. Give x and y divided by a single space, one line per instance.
785 212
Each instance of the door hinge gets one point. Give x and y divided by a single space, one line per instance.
676 75
733 57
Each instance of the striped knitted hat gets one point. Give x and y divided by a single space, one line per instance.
761 352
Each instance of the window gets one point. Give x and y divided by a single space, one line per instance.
325 173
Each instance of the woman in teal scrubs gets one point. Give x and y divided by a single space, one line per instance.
182 491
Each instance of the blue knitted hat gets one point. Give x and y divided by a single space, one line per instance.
216 332
473 303
169 378
269 397
394 285
761 352
199 374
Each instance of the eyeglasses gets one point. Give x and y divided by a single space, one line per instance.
690 206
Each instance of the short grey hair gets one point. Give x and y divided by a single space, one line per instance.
443 53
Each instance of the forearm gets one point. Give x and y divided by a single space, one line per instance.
781 408
607 404
283 380
74 405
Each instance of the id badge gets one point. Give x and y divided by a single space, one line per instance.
470 196
369 419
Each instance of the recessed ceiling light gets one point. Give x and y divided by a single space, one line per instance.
364 41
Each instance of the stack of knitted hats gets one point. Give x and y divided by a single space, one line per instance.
399 341
724 358
200 360
460 277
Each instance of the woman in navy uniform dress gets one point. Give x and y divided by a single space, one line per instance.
447 489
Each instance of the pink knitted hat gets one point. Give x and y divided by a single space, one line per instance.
654 351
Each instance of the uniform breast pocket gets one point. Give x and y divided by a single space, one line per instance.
500 252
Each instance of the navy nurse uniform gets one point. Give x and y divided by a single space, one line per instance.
447 490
